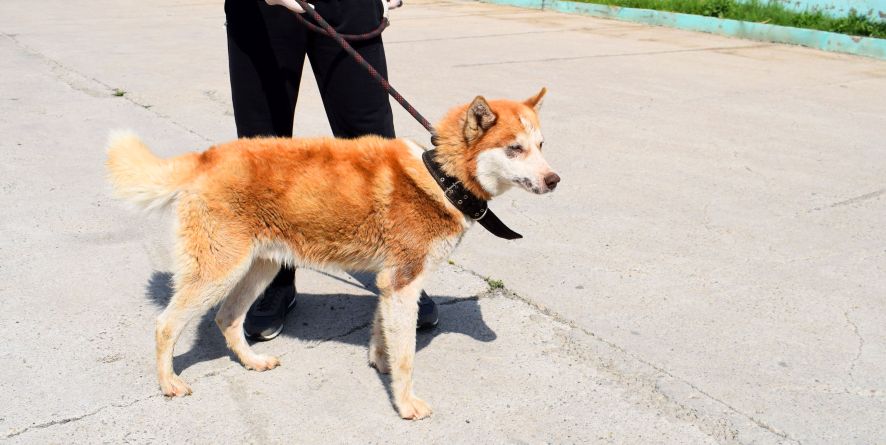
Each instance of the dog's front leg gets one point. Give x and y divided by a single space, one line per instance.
398 310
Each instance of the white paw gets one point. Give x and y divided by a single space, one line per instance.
174 386
414 408
261 362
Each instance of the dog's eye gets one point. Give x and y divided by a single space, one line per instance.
514 150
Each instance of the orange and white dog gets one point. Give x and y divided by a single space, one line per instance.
245 207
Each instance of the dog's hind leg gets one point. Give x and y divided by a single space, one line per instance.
194 295
190 300
233 311
211 260
401 288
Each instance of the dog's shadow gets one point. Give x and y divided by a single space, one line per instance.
328 317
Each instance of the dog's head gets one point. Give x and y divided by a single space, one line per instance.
493 145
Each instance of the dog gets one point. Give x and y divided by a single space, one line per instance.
243 208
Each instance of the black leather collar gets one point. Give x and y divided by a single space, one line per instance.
465 201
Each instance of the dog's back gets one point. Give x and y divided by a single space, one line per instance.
349 202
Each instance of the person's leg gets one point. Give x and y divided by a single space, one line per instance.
266 53
355 103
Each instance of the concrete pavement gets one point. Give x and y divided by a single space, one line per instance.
710 271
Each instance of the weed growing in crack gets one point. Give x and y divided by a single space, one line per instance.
494 284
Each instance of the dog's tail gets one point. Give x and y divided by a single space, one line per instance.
139 176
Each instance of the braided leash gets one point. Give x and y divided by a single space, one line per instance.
329 31
350 37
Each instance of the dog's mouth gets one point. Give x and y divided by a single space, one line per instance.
529 186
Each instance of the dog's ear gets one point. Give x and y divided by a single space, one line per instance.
479 118
535 102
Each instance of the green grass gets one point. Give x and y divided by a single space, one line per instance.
772 13
495 284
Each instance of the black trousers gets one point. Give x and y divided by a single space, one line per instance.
267 47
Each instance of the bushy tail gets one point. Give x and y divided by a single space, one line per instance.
139 176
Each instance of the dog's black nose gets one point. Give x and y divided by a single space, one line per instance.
551 180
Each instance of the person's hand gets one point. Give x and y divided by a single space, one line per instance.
289 4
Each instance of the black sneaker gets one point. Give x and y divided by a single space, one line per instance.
265 318
427 312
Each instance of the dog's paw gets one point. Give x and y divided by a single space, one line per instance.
262 363
414 408
175 387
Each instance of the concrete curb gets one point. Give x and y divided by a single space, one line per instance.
823 40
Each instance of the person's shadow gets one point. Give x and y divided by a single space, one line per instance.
327 317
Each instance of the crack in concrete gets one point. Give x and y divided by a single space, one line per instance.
854 361
850 201
857 199
64 74
604 56
349 332
693 413
67 420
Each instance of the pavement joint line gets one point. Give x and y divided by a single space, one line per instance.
606 56
455 16
484 36
59 66
507 293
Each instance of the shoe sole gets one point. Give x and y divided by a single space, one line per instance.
272 336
